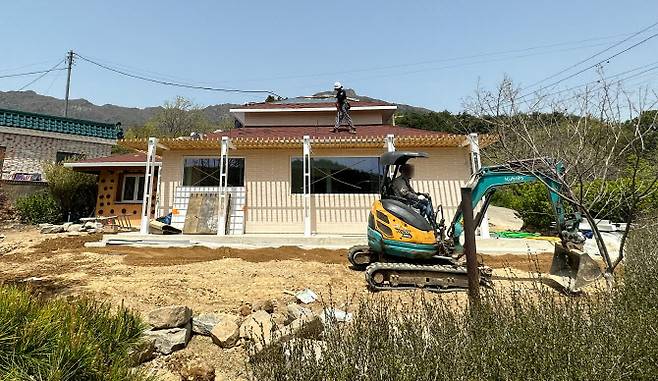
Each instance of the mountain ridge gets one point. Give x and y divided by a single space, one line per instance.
81 108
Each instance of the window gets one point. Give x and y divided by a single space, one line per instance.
204 172
64 156
132 189
338 175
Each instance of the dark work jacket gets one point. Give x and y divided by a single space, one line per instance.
341 97
401 188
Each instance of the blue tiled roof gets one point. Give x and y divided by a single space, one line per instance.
49 123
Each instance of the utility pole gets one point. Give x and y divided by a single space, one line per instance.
69 60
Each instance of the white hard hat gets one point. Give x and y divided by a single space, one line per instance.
337 85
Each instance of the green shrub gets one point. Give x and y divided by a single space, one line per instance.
610 334
531 202
75 192
58 340
37 208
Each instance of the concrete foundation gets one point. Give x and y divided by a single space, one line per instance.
499 246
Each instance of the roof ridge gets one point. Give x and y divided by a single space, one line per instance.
64 118
58 124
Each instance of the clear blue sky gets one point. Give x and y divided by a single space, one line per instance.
394 50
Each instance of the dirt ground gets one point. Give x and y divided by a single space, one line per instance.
206 280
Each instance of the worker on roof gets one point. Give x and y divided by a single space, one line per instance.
401 188
342 109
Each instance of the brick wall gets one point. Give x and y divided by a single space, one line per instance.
26 153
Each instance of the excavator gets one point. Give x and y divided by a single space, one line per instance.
406 250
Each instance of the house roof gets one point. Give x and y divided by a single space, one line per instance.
322 104
292 137
50 123
135 159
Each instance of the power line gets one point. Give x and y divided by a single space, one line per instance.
592 56
448 59
595 64
459 65
648 68
28 65
41 76
652 66
29 73
177 84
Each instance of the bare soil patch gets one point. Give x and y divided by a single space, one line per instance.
144 256
206 280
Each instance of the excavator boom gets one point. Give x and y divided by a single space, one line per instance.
572 267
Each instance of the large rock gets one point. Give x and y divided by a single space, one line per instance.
258 328
279 319
265 305
197 370
74 228
295 326
202 324
225 334
50 228
294 311
170 340
143 351
169 317
245 309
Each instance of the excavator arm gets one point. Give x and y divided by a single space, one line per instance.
570 263
485 182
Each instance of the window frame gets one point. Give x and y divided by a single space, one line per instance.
137 198
292 191
74 155
182 170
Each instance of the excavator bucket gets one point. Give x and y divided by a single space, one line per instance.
572 269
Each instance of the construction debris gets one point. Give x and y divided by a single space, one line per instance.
88 227
305 296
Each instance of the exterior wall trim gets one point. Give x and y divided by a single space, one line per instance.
55 135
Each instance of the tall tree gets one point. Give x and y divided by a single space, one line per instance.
179 117
589 133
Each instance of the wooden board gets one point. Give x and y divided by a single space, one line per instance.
202 214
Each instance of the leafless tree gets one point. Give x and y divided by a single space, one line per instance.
179 117
599 134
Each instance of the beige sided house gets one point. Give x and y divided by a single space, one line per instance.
280 144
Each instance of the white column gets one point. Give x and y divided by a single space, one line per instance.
476 164
390 143
223 184
157 190
306 166
148 186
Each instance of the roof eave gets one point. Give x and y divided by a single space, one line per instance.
107 164
307 109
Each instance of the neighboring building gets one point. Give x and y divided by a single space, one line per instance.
27 140
266 172
120 184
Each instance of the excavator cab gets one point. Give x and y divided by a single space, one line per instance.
396 228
